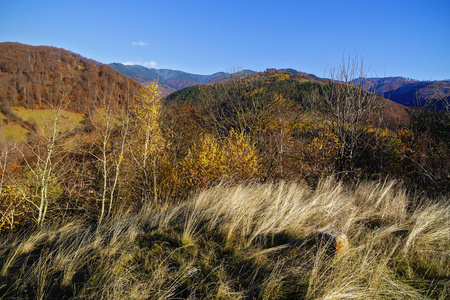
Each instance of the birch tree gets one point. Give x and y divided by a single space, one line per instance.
112 125
148 139
45 157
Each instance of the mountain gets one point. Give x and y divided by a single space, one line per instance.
405 91
306 91
408 92
171 80
43 76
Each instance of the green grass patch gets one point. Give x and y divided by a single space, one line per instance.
101 117
44 118
14 132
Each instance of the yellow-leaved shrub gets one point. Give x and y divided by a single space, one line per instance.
14 210
319 154
281 77
208 161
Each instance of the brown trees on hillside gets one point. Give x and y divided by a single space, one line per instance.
38 77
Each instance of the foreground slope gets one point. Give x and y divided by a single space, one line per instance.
256 241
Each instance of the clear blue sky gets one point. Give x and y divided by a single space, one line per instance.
396 38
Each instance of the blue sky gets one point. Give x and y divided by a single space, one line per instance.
395 38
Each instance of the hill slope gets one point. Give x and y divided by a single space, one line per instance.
42 76
303 89
247 242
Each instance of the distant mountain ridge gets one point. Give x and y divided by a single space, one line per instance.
171 80
408 92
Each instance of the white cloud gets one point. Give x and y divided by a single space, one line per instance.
151 64
140 43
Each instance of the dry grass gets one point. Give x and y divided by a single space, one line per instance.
245 241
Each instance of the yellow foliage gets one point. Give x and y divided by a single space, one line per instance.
148 142
147 113
240 156
254 92
14 211
320 153
208 160
324 146
380 132
397 142
281 77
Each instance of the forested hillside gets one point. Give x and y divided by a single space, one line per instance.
42 77
307 93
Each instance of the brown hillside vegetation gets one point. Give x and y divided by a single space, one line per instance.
42 77
305 127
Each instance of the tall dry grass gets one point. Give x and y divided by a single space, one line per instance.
245 241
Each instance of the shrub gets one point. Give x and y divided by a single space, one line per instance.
14 210
208 161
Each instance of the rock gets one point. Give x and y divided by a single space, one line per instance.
336 243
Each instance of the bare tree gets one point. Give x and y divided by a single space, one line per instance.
6 149
46 156
10 203
113 128
353 111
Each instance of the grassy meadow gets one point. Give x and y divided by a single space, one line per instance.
41 117
248 241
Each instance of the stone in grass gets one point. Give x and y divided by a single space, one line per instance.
335 243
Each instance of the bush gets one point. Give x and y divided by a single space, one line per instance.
14 210
209 161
